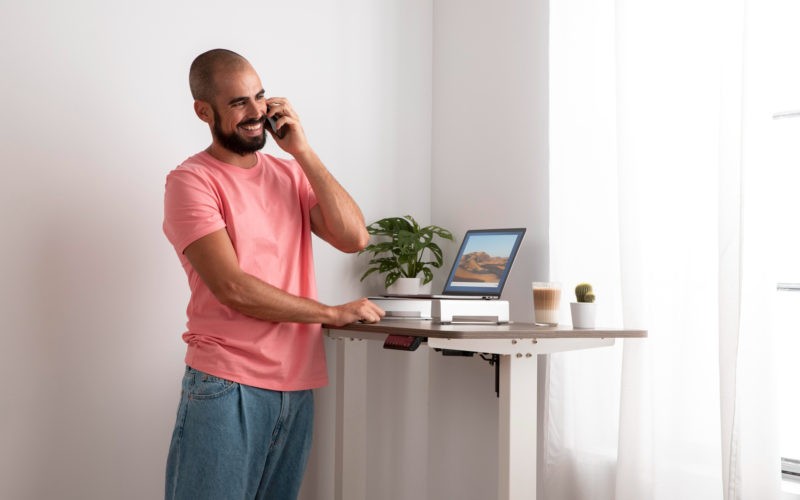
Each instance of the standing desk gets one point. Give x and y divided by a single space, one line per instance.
517 346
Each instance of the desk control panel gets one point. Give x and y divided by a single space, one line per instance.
402 342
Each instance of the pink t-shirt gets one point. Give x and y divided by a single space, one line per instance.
265 210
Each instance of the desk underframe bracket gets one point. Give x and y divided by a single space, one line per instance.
494 360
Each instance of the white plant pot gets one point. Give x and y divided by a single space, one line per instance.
582 314
404 286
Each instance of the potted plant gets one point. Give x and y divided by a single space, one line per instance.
583 311
400 253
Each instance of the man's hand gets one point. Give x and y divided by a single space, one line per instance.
358 310
294 139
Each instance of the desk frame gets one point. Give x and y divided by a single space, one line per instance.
517 344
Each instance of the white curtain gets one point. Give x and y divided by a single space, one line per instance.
649 191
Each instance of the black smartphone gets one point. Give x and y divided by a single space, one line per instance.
272 124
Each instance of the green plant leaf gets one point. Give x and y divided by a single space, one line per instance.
391 278
382 247
428 275
437 254
369 271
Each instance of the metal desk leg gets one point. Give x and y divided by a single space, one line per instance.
351 420
517 427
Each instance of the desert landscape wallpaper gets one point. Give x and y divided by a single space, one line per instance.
480 267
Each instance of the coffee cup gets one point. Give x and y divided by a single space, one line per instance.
546 302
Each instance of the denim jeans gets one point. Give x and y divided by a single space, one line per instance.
236 442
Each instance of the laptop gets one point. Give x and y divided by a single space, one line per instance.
481 267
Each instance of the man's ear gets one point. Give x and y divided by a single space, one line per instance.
203 111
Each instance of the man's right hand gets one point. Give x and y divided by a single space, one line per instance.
358 310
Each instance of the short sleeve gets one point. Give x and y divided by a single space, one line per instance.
191 209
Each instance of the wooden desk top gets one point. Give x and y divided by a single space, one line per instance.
423 328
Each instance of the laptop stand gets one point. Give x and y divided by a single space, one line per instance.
469 311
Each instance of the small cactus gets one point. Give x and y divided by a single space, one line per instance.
584 293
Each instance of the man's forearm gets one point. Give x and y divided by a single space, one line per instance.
342 218
214 259
256 298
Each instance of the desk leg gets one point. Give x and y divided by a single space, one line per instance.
351 420
517 426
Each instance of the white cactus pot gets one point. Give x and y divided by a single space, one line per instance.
583 314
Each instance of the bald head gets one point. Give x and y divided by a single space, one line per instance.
206 66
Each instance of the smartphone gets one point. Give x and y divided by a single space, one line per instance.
272 124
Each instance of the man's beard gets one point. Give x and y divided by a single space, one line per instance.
237 144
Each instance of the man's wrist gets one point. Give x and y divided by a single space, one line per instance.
331 315
305 156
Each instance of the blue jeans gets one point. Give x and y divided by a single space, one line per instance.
236 442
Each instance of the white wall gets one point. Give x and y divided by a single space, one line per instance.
96 111
490 147
490 155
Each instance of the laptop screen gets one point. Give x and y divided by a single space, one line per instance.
483 262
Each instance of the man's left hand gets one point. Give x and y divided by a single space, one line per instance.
294 139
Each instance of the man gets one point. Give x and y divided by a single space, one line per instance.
241 223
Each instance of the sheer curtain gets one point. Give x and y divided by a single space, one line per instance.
649 185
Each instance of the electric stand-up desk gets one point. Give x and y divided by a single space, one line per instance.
513 348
